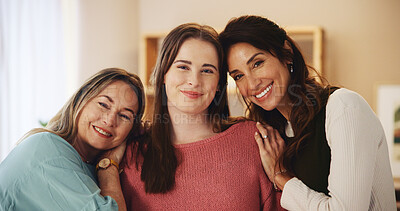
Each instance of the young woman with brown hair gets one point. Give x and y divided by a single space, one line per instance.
195 158
333 154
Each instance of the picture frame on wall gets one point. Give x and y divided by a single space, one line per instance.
310 41
388 111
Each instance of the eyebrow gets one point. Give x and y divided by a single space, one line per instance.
248 62
112 101
209 65
189 62
252 58
184 61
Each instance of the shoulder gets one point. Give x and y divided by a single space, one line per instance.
38 149
243 127
45 142
343 101
242 133
345 98
42 138
28 156
242 130
346 108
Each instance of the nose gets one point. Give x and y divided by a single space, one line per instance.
193 79
110 119
253 82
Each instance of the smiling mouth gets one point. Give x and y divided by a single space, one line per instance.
266 90
192 94
102 131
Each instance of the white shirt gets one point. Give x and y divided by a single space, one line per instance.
360 175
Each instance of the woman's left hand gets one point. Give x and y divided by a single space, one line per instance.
271 145
116 153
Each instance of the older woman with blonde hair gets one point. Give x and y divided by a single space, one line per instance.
54 168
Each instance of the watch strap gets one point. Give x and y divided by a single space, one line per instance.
112 162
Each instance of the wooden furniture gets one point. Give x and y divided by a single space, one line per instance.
308 38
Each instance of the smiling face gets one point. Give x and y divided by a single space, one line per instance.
260 76
192 80
106 120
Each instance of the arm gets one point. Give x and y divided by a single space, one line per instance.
109 178
353 133
45 172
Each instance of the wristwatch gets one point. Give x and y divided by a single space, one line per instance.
105 163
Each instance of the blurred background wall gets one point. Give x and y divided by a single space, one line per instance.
361 42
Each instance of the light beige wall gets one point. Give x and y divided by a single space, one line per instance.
362 44
108 36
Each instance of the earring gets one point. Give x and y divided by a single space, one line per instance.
291 67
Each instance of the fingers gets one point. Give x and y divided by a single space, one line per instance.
116 153
262 130
264 135
145 127
259 142
272 141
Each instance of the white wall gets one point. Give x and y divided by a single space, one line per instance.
108 36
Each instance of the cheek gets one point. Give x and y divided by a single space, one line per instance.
126 129
214 85
242 88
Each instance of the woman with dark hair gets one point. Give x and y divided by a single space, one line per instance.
54 168
196 158
322 145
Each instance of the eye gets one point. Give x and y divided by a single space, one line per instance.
208 71
258 63
237 77
183 67
104 105
126 117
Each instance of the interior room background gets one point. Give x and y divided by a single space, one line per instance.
49 47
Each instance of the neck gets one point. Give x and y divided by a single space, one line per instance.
285 108
88 154
189 128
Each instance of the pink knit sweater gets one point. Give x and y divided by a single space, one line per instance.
223 172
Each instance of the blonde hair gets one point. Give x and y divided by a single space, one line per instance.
64 123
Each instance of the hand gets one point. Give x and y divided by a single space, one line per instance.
271 145
116 153
145 127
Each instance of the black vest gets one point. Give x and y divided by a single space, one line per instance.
312 163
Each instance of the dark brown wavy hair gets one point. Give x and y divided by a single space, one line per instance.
304 90
160 160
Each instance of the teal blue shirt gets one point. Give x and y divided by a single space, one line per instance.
44 172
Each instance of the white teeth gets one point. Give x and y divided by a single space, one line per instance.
264 92
101 131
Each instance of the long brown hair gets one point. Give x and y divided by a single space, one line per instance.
64 123
304 90
160 161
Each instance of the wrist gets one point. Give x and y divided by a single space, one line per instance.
106 163
280 179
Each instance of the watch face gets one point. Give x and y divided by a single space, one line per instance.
104 163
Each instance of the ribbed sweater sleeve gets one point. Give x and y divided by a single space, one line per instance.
360 175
